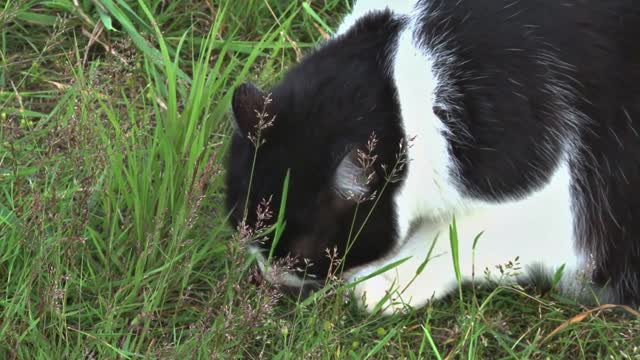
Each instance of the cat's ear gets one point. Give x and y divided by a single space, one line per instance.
354 180
247 103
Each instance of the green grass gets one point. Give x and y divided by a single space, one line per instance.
113 240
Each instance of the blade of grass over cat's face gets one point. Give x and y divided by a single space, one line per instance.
280 220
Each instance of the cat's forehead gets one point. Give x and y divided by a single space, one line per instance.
307 163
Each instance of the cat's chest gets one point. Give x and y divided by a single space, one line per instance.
540 218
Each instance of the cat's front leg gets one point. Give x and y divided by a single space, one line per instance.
419 270
500 242
383 289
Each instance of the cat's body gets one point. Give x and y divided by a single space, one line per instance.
519 119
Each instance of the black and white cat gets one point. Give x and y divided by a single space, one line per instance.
520 118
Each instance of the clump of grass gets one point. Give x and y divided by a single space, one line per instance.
113 237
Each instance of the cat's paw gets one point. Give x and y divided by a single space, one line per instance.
381 292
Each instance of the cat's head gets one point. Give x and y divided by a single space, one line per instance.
333 123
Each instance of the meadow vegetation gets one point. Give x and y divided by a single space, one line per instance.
114 125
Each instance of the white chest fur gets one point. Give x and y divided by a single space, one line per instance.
537 231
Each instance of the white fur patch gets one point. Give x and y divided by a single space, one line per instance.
429 189
537 231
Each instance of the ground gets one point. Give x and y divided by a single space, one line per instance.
113 242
